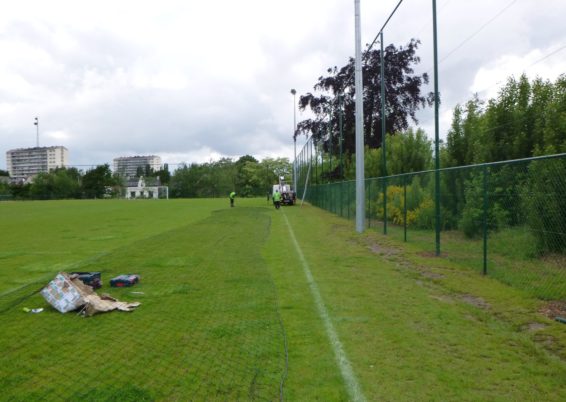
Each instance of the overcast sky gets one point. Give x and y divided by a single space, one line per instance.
192 81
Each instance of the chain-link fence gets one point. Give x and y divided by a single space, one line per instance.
504 219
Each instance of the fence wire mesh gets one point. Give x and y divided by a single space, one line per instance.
207 329
504 219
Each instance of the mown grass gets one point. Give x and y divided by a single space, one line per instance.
225 296
208 326
418 327
45 236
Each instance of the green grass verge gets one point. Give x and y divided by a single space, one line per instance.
418 327
225 295
208 327
511 257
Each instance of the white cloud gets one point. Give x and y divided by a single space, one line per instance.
58 135
194 81
491 77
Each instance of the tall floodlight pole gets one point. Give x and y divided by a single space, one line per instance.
340 103
36 124
382 73
294 93
360 189
436 141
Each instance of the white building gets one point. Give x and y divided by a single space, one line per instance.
139 188
127 166
25 162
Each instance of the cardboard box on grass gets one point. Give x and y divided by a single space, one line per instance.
66 294
62 294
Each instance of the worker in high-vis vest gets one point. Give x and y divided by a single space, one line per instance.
277 199
232 196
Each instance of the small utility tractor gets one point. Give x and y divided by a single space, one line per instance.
288 195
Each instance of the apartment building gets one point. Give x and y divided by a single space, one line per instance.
127 166
25 162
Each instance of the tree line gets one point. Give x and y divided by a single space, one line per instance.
246 175
525 119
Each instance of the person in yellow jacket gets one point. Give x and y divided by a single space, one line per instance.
277 199
232 196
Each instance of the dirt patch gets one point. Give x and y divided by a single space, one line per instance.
557 260
383 250
534 326
475 301
554 309
442 298
431 254
547 341
430 275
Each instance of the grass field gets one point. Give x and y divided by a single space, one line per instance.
228 310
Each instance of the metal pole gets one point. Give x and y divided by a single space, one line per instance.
294 139
485 220
340 105
330 139
436 129
37 132
315 163
382 67
405 208
360 190
369 203
322 164
342 198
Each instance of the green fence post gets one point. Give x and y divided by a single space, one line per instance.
405 208
322 165
348 200
341 198
333 204
485 205
330 139
369 203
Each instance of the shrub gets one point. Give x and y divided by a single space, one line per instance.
498 215
544 200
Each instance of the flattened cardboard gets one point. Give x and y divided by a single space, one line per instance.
66 294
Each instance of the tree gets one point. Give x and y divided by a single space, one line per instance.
337 92
462 138
60 183
525 119
183 182
246 176
96 180
164 175
247 183
272 169
148 171
20 191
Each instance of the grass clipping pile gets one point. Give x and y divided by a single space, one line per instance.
67 293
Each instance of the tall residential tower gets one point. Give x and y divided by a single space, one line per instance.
25 162
127 166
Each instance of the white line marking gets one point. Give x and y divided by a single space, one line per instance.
348 375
